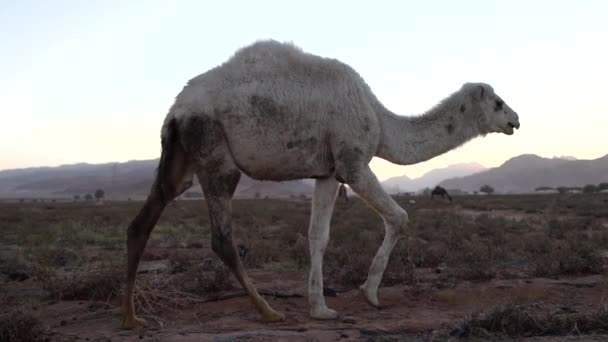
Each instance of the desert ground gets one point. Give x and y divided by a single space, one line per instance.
497 267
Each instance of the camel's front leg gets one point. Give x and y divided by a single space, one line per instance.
366 185
323 201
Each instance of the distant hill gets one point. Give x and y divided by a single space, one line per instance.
430 179
131 179
526 172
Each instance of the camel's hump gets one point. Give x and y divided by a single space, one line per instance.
267 48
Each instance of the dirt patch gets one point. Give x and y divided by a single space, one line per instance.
419 312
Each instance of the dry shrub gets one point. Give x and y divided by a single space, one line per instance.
400 268
201 275
262 251
181 262
579 257
211 276
354 267
463 243
474 262
299 252
519 321
511 320
349 255
15 267
17 325
575 256
429 254
102 282
56 256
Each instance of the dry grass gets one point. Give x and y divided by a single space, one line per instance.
560 236
521 321
18 325
77 250
210 276
101 283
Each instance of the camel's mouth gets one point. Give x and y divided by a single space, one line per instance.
511 128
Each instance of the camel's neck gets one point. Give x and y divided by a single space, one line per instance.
409 140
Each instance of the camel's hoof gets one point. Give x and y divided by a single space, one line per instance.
372 300
273 316
132 322
371 297
323 313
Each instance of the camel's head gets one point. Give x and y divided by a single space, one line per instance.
493 113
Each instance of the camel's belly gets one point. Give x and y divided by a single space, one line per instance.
291 160
278 144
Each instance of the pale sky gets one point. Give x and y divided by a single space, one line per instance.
91 81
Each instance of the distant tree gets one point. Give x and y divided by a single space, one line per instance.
76 197
88 197
562 189
543 188
486 189
602 186
589 188
99 194
21 200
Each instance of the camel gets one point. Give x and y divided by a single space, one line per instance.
275 112
441 192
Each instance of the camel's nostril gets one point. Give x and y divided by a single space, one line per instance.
513 125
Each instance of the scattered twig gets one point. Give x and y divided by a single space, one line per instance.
277 294
575 329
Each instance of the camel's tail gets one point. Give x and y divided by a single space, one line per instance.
171 159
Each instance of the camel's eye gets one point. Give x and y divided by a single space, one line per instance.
498 105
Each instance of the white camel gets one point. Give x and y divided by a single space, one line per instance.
277 113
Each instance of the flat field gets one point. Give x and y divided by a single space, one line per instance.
521 267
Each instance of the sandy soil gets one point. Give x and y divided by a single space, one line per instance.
412 313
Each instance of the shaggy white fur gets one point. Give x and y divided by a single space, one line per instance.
275 112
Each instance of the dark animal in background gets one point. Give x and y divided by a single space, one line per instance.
441 192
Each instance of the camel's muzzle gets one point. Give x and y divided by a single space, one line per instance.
513 125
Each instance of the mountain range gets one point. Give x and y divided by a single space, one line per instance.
527 172
133 179
430 179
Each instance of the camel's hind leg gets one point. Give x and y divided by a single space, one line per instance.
219 177
323 201
174 177
366 185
